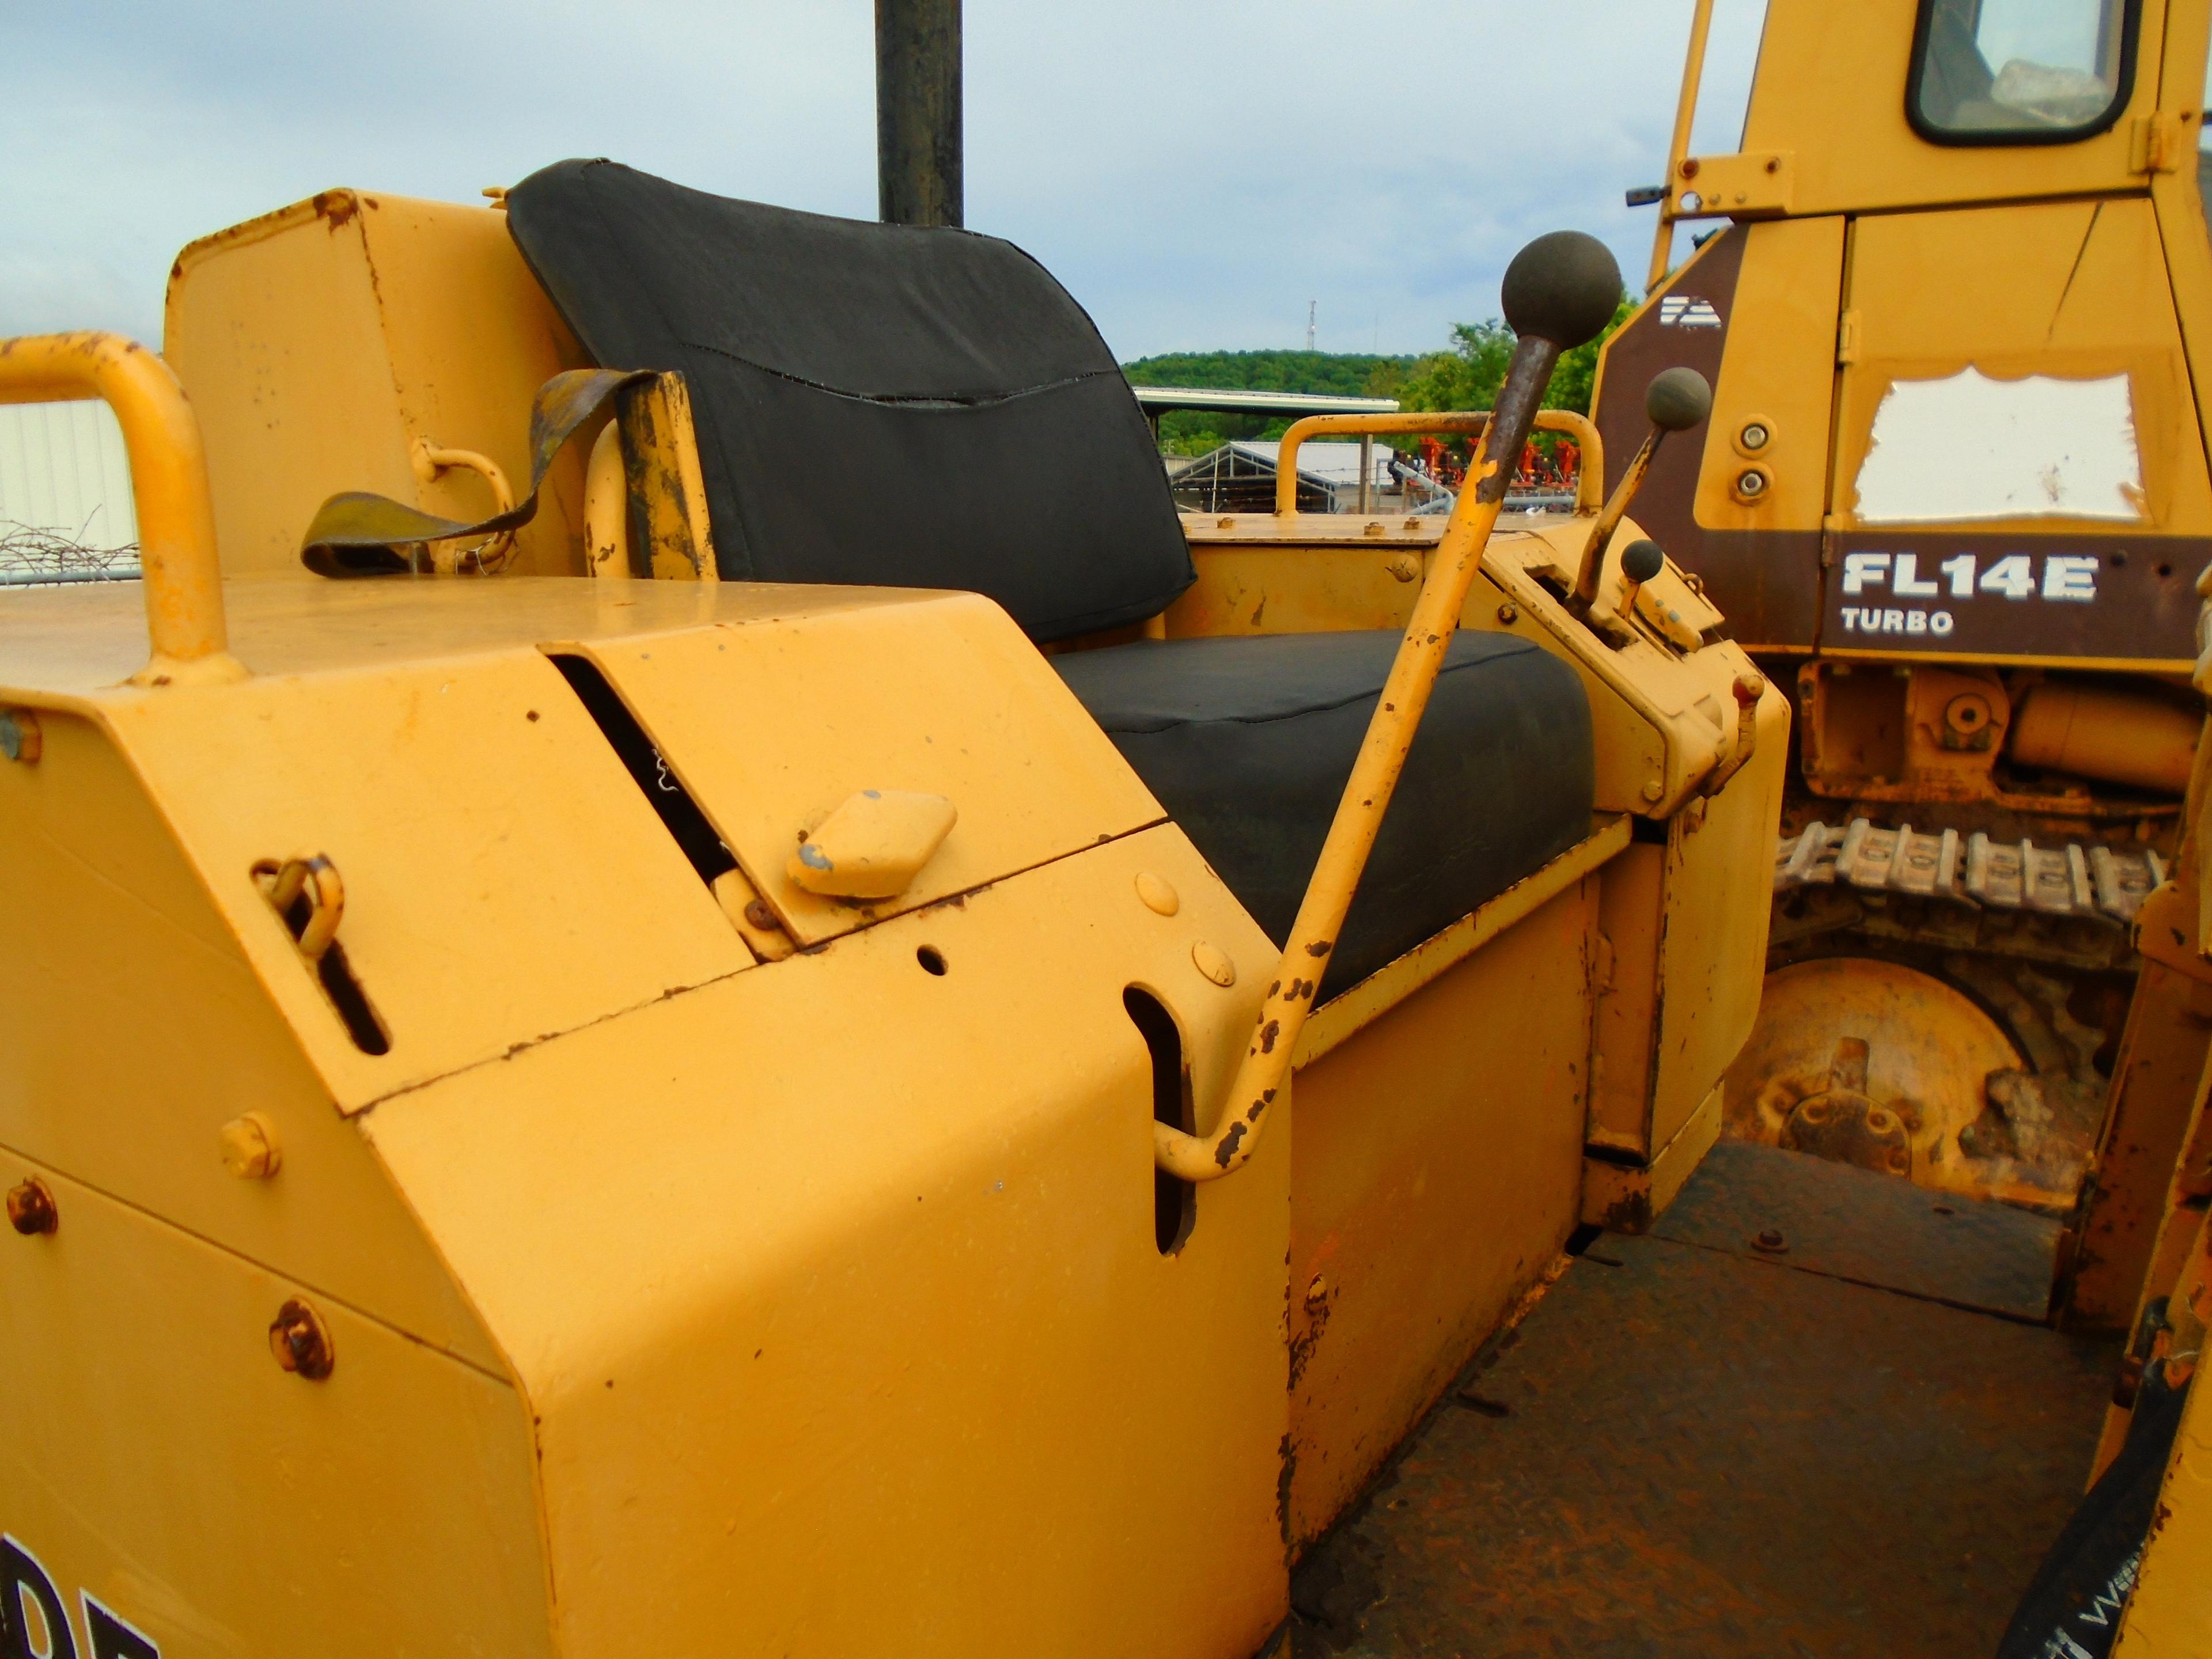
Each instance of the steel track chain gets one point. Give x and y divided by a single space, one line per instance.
2098 882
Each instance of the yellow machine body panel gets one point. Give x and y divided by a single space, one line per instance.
667 1247
1390 1288
152 1446
1774 395
892 703
328 343
799 1327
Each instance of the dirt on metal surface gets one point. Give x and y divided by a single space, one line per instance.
1685 1451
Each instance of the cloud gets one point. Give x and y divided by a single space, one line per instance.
1195 173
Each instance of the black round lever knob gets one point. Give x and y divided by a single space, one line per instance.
1563 287
1678 398
1641 560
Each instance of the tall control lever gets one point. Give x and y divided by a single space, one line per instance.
1677 400
1559 292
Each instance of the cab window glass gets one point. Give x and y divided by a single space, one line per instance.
2020 71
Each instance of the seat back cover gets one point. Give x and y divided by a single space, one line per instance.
884 404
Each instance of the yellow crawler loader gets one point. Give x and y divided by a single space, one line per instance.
1955 304
623 1042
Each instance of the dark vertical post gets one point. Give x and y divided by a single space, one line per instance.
918 112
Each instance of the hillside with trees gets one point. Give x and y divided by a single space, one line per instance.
1332 373
1465 375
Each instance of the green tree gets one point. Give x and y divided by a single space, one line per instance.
1467 376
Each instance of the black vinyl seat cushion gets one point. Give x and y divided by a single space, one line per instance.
1248 743
883 404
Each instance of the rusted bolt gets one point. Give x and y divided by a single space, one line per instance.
757 915
301 1342
1210 960
1966 713
250 1150
1690 167
31 1208
1158 894
1509 613
1770 1241
2128 1382
18 735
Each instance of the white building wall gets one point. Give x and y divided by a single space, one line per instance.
63 468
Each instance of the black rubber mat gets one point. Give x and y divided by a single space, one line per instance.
1805 1213
1695 1454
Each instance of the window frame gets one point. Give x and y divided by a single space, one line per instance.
2123 92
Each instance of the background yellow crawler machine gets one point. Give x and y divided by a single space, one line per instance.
1955 302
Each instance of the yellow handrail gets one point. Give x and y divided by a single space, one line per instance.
168 484
1590 481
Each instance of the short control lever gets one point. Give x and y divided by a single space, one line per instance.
1677 400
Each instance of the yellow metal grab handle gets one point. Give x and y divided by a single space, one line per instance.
429 460
314 877
1559 292
1590 480
168 484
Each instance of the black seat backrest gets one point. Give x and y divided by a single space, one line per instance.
875 404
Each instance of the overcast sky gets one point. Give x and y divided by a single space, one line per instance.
1194 171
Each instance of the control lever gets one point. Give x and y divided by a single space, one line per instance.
1677 400
1640 560
1559 292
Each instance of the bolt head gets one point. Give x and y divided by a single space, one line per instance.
1755 436
1770 1241
1211 961
1509 614
301 1342
18 735
1751 484
250 1150
31 1208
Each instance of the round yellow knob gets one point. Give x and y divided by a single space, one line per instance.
1156 893
1212 963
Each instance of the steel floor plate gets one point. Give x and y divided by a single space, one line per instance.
1872 1229
1694 1453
